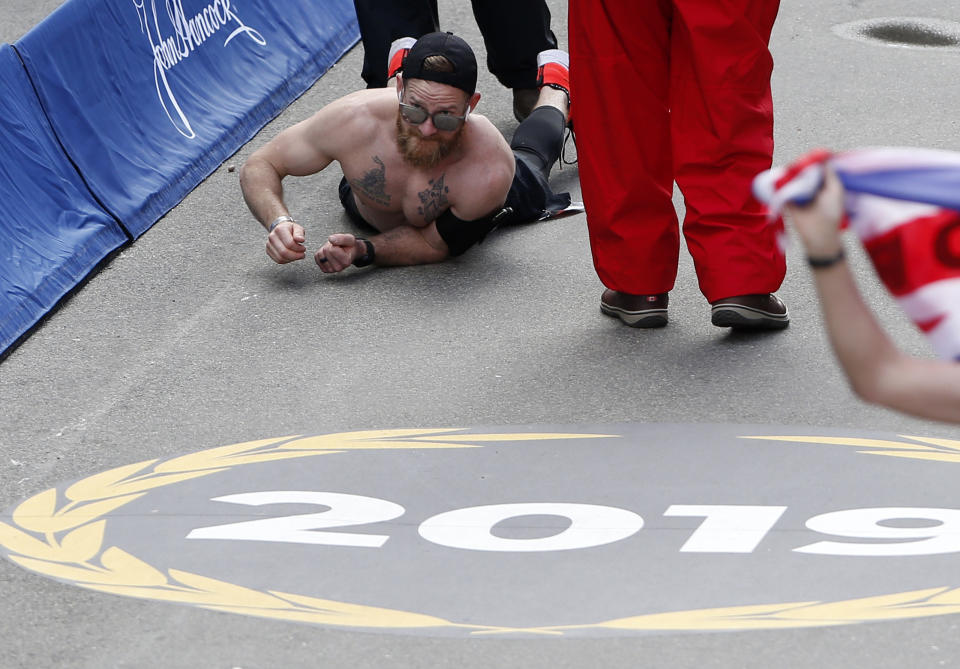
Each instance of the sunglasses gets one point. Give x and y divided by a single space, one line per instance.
442 120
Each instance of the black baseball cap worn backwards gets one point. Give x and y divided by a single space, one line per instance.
451 47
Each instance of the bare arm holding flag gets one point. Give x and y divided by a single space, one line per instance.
877 371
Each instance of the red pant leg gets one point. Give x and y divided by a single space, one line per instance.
722 129
619 80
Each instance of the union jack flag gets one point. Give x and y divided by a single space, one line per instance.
904 205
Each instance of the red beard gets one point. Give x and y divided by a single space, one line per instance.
420 151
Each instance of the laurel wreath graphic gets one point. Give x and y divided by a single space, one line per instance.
62 536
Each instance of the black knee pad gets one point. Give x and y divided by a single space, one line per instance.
541 134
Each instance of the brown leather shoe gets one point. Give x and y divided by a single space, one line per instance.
637 311
764 311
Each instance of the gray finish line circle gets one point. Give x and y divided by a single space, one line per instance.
547 531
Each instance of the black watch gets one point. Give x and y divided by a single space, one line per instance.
368 257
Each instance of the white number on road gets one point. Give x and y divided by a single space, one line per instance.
471 528
345 510
865 524
725 528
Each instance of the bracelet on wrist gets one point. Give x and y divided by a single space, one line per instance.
369 255
822 263
278 220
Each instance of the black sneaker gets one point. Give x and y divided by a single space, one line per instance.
637 311
764 311
524 100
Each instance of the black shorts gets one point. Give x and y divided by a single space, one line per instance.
536 145
350 205
530 197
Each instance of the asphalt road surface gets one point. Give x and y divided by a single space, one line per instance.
191 338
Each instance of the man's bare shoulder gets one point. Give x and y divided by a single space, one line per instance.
487 132
354 118
365 102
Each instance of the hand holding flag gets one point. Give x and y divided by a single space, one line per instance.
904 205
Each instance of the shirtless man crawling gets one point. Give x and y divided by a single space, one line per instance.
429 176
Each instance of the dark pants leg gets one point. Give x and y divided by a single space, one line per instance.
539 138
381 22
536 145
514 32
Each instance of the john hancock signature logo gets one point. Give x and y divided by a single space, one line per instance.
188 34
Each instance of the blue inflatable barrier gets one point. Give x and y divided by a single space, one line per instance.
112 111
148 97
52 231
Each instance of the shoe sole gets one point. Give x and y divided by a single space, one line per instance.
739 317
648 318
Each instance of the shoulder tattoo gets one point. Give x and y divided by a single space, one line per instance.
373 184
433 200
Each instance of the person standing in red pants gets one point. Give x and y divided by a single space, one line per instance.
677 90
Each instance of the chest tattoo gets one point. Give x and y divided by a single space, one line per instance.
373 184
433 200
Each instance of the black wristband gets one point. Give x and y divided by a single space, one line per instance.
822 263
368 257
